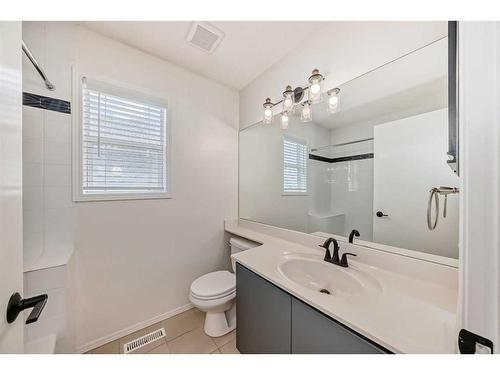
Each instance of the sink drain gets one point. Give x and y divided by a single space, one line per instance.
324 291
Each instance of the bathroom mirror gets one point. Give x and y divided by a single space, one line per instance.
377 165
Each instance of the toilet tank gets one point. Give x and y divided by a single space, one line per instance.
240 244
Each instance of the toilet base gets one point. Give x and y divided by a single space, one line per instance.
220 323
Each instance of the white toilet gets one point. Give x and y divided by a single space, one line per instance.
215 294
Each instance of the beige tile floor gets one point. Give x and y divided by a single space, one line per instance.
184 335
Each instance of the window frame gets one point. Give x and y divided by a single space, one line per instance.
132 92
305 143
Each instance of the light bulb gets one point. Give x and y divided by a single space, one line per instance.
268 116
333 100
315 86
268 111
284 121
288 99
306 114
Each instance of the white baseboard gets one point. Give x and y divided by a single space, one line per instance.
130 329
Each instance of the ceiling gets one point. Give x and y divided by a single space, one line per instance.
413 84
247 50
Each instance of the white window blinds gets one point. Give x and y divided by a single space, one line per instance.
123 142
294 166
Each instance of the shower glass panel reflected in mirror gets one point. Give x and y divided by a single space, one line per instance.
370 166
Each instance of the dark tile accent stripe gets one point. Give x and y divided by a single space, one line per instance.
341 159
319 158
44 102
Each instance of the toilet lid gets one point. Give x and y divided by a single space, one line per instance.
214 284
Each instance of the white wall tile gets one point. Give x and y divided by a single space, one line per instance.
57 127
51 281
32 198
40 281
32 123
33 227
57 175
46 325
57 197
47 178
56 304
33 150
32 246
57 152
58 231
32 174
33 221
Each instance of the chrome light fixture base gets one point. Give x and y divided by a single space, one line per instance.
316 76
334 91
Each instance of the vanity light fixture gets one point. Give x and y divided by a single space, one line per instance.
306 113
288 99
315 86
333 100
284 120
268 111
294 97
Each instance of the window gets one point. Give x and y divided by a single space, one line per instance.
123 142
294 166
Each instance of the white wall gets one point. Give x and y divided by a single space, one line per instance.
135 260
410 159
342 51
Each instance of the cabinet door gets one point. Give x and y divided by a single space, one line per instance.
315 333
263 315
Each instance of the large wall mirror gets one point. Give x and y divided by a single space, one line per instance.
377 165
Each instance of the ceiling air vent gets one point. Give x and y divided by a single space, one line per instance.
205 36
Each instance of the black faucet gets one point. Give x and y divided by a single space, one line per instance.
343 261
334 258
331 258
354 232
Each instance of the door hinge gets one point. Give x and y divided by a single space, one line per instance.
470 343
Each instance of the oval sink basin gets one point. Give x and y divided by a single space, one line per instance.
323 277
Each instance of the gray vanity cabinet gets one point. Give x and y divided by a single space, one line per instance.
263 315
269 320
315 333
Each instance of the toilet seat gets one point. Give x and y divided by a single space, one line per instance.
213 298
214 285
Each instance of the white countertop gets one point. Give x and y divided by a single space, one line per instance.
407 313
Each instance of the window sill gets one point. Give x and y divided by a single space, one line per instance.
120 197
293 194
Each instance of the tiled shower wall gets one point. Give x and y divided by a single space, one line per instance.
47 204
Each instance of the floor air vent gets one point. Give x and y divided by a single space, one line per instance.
143 340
